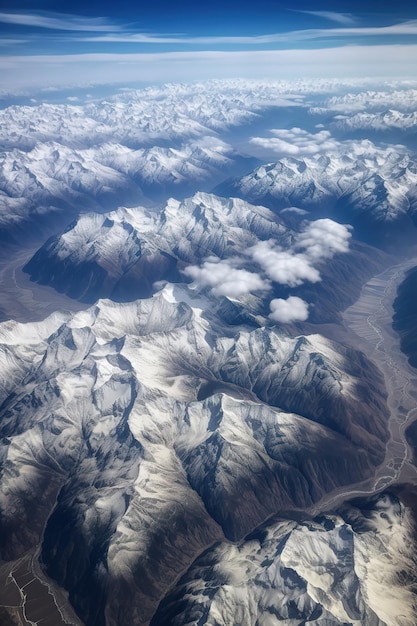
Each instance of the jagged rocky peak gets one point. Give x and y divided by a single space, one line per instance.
227 246
364 186
246 459
129 249
336 569
153 429
60 159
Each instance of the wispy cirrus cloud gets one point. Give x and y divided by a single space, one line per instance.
101 30
340 62
400 29
340 18
58 21
12 42
150 38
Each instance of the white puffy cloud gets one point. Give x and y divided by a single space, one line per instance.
292 267
296 141
283 266
293 309
211 143
323 238
225 279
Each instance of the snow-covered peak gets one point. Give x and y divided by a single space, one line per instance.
325 571
153 418
226 246
379 184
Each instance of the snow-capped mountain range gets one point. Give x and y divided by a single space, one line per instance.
388 120
141 146
185 448
363 183
159 428
52 177
309 568
98 254
229 247
66 158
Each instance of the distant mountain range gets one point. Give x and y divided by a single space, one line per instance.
374 190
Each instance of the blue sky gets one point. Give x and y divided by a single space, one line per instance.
54 43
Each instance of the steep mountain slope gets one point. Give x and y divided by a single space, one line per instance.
153 429
405 316
296 573
237 249
101 256
375 190
163 459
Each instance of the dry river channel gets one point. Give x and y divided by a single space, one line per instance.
368 323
